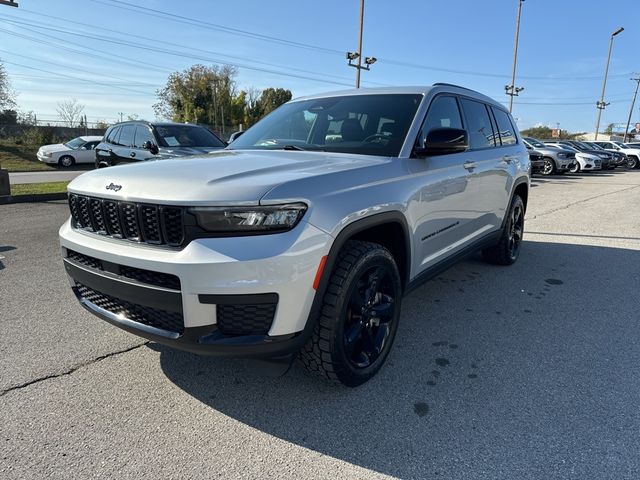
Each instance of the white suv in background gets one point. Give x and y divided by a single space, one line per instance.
302 236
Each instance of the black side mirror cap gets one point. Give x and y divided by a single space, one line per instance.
443 141
235 135
152 147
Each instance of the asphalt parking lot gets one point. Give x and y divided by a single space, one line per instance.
524 372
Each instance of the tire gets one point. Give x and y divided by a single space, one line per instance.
359 316
632 162
66 161
575 167
549 167
507 250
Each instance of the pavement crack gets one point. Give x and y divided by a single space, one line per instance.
71 370
569 205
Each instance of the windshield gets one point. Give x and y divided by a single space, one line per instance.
75 144
186 136
582 146
360 124
535 143
620 144
594 146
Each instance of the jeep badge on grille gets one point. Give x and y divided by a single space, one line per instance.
114 187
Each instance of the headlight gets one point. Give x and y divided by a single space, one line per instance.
47 154
225 220
562 155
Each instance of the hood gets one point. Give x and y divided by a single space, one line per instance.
229 177
58 147
551 151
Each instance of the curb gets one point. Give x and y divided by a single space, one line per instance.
43 197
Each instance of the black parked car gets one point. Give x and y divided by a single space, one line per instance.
139 140
537 161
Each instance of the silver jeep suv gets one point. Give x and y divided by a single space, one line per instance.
301 238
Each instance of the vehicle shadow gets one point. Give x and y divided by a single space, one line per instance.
469 368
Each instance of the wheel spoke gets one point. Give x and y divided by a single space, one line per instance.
353 333
368 344
384 309
381 337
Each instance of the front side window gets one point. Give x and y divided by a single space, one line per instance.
187 136
443 113
126 135
481 134
358 124
506 129
142 135
75 144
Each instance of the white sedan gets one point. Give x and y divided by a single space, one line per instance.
584 161
78 150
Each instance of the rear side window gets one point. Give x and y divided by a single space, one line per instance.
127 133
505 127
443 113
481 134
112 135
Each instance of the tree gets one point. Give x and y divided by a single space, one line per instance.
101 125
609 129
27 118
133 117
198 94
8 117
70 111
7 95
272 98
540 132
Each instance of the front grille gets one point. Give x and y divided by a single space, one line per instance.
138 222
153 317
158 279
245 319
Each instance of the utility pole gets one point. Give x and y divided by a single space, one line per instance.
357 56
633 102
9 3
121 115
512 90
601 105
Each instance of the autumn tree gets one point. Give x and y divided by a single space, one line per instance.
7 96
70 111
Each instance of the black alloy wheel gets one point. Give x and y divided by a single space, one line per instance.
516 230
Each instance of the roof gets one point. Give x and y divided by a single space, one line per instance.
420 90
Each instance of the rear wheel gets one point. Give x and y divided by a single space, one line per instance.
359 316
507 250
66 161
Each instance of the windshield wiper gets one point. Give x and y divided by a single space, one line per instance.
290 147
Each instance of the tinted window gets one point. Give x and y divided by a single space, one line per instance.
481 133
142 135
126 135
187 136
505 127
359 124
112 135
443 113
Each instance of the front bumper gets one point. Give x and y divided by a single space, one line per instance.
564 164
264 281
45 159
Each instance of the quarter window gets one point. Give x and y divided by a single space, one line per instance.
112 136
505 127
481 134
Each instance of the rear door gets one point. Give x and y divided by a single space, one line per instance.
122 146
86 153
511 155
104 150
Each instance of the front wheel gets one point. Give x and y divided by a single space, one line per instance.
66 161
549 167
575 167
359 316
507 250
632 162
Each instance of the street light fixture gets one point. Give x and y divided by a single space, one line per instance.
601 104
512 90
9 3
357 56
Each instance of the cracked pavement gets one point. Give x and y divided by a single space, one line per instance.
524 372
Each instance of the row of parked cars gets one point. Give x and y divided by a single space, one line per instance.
556 156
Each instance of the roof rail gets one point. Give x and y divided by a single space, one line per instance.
444 84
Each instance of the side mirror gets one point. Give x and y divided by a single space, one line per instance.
235 135
442 141
152 147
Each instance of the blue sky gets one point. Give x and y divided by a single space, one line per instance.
563 47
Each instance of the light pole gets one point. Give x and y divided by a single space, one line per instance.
633 102
601 105
9 3
357 56
512 90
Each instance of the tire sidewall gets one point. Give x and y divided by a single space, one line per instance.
347 373
517 200
68 157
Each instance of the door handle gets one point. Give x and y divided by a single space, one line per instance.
507 159
132 154
469 165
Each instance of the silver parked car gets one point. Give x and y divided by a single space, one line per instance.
556 161
301 238
78 150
